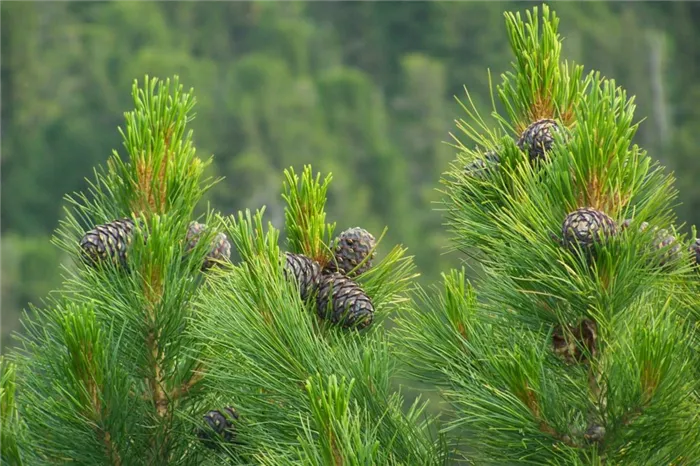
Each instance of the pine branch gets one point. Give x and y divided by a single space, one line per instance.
148 396
341 438
190 384
507 386
512 392
269 344
86 347
79 393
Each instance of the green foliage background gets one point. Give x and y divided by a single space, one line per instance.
361 89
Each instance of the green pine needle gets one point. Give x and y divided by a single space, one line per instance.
305 217
9 418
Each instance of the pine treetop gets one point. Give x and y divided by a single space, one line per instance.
580 348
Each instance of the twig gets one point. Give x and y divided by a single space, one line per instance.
337 457
111 451
187 386
528 397
96 412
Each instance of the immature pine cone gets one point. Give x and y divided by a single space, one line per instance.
586 226
108 242
219 425
219 250
594 433
662 240
672 250
352 247
343 302
480 168
306 272
695 248
538 139
628 223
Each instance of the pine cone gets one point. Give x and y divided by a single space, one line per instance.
628 223
219 251
671 249
663 240
568 344
352 247
695 248
483 167
594 433
219 425
343 302
108 242
538 139
586 226
306 271
194 231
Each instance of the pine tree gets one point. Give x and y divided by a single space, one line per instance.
160 350
579 344
579 348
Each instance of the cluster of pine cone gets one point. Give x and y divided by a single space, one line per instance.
536 141
582 227
338 297
585 227
111 241
580 230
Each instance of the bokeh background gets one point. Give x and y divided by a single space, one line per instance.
364 90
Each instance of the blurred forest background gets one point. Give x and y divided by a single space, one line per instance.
364 90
